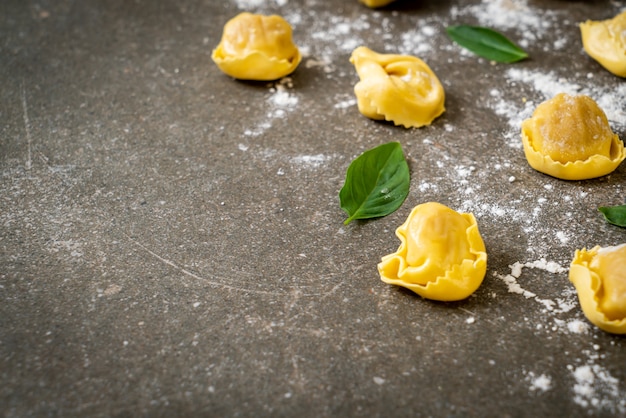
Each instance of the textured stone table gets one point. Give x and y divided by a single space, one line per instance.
171 241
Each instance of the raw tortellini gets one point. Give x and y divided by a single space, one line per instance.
257 47
599 276
397 88
441 256
569 137
605 41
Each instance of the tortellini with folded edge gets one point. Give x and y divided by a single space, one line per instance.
599 276
257 47
397 88
441 256
605 41
569 137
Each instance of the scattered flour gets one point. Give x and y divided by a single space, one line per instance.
513 286
311 160
596 387
345 103
562 236
424 186
584 384
528 23
283 99
549 266
334 35
464 172
70 246
254 5
541 383
415 42
280 102
379 380
576 326
324 37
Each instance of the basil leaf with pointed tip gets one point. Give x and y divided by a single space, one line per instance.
486 43
377 182
615 215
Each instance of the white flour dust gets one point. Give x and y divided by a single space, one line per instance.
313 161
418 41
255 5
344 101
558 306
577 326
596 387
541 383
281 101
527 23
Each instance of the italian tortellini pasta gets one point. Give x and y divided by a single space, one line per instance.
599 276
398 88
605 41
441 256
257 47
569 137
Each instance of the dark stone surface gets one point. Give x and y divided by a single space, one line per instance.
171 242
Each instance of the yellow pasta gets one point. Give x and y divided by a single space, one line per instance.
257 47
441 256
376 3
397 88
605 41
569 137
599 276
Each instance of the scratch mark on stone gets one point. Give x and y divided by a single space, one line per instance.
213 282
27 127
197 277
331 291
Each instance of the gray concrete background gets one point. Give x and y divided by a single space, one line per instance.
171 241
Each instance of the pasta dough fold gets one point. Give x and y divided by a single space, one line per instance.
441 256
605 41
600 280
397 88
569 137
257 47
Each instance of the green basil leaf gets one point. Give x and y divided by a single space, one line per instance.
377 182
615 215
486 43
